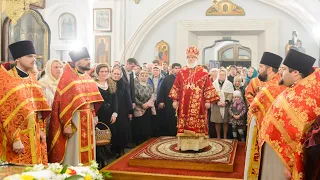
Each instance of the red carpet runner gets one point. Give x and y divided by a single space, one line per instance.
120 169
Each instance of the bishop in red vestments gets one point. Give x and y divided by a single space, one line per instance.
192 93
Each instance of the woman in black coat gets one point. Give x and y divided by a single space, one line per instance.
108 111
124 112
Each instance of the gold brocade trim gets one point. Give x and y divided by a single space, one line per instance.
4 146
56 136
71 84
15 111
74 99
32 134
87 148
260 106
265 90
292 114
254 166
89 134
9 93
79 138
254 84
281 128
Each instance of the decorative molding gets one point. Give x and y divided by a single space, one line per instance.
224 8
269 29
299 13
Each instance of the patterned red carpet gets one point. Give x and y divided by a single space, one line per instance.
120 169
163 152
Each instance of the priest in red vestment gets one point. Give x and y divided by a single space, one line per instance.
71 137
286 124
23 109
268 73
192 93
252 89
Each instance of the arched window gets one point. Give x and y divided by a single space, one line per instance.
234 54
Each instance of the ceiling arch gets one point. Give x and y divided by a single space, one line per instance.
289 6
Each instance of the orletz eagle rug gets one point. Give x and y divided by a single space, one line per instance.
120 169
163 152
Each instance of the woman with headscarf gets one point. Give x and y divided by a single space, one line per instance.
108 112
145 98
124 112
213 74
219 110
252 73
50 81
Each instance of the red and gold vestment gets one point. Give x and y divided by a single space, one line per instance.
75 93
288 120
252 89
192 88
24 110
258 108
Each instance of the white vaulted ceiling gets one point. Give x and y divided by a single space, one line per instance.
307 12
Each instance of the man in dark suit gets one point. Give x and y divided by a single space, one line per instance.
169 124
128 76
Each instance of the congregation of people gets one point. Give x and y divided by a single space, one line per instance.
136 101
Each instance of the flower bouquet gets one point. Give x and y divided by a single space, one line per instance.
55 171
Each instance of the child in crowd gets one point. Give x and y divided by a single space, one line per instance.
237 112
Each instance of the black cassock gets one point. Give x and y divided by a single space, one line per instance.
170 119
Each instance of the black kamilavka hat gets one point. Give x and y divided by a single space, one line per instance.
76 55
21 48
299 61
271 59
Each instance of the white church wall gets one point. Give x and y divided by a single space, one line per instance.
166 28
137 13
85 34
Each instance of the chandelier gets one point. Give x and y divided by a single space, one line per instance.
15 9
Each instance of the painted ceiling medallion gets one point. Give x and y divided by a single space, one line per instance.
224 8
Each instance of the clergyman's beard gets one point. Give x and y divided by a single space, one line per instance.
192 65
84 68
281 82
263 77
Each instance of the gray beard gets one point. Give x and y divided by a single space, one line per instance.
193 65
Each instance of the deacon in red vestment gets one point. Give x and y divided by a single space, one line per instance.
252 89
192 93
268 69
71 137
23 109
288 120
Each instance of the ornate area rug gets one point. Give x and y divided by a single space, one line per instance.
164 153
120 169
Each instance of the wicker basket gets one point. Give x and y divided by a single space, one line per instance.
103 137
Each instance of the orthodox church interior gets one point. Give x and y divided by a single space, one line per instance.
226 32
237 32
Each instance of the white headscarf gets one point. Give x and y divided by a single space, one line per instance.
227 87
48 82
